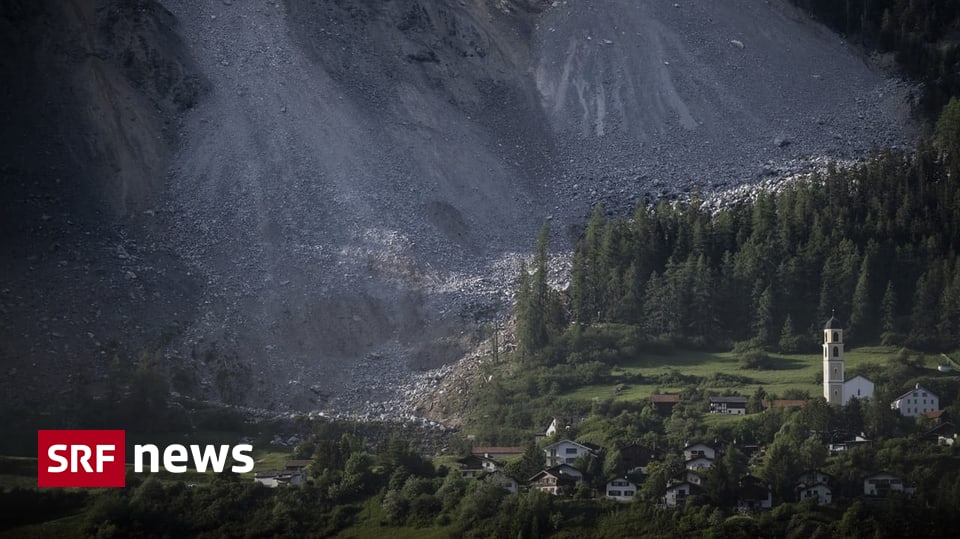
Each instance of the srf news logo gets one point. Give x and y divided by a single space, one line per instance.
97 458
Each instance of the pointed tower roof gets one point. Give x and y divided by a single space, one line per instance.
833 323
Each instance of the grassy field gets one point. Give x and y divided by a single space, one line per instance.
788 372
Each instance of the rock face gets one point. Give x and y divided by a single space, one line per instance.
302 204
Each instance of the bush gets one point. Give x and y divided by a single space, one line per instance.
755 359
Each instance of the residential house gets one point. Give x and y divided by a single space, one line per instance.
664 404
882 484
293 474
502 480
498 453
557 480
814 484
566 452
699 449
728 405
677 494
621 489
753 494
837 447
699 463
690 476
917 401
474 466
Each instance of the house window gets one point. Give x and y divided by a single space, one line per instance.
628 493
613 493
836 351
571 450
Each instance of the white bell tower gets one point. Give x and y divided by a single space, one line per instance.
833 362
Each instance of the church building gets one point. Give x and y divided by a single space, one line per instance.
836 389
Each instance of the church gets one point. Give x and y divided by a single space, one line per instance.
836 389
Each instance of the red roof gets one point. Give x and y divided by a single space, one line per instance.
934 414
665 398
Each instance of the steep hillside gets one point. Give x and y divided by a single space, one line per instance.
317 198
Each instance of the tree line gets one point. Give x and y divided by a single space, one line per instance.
875 243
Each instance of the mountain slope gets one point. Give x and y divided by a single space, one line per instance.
341 189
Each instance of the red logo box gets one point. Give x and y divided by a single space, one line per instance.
81 458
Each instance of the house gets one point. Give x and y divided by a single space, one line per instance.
664 404
566 452
502 480
474 466
293 474
814 484
917 401
837 447
882 484
558 480
498 453
277 479
621 489
699 463
753 494
636 458
690 476
728 405
677 494
699 449
857 387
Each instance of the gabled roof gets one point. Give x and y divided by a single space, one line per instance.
934 414
585 445
554 472
917 388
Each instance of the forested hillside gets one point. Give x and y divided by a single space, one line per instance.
876 243
923 34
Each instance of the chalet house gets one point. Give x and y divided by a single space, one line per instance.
699 449
677 494
502 480
837 447
699 463
498 453
917 401
690 476
882 484
664 403
814 484
566 452
559 480
621 490
474 466
753 494
728 405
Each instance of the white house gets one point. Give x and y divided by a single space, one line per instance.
882 484
277 479
917 401
621 490
699 449
857 387
565 452
814 484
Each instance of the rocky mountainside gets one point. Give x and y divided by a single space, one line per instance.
302 204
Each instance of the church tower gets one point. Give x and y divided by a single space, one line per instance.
833 362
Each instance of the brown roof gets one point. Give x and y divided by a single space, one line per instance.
665 398
934 414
